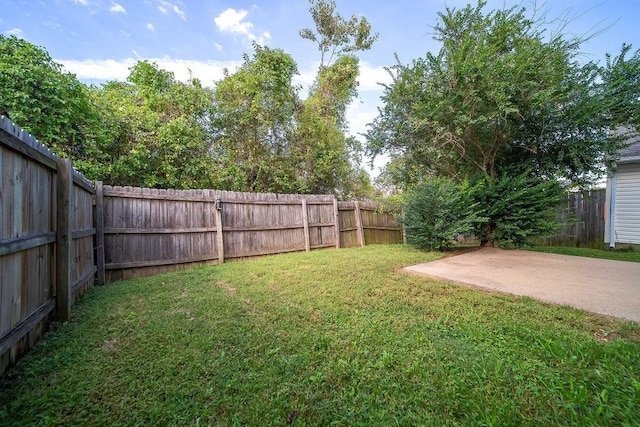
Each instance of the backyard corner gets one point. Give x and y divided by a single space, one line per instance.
331 336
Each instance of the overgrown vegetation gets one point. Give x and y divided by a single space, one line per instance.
437 212
504 103
252 131
330 337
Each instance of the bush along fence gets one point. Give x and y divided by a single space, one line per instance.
60 233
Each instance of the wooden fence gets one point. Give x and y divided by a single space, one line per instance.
582 219
59 233
46 239
150 231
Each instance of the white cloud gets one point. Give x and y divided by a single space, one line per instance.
232 21
151 28
110 69
124 33
229 21
218 47
165 5
14 32
107 69
82 2
136 54
371 76
117 8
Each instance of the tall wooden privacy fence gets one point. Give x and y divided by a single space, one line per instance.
59 232
150 231
582 218
46 239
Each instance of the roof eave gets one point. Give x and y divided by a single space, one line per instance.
627 160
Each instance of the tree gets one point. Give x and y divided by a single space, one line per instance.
252 122
46 101
498 95
335 35
437 212
329 159
498 100
322 151
158 131
621 87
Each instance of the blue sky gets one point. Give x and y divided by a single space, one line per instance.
99 40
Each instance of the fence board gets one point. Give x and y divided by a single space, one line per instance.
28 231
582 219
48 224
173 227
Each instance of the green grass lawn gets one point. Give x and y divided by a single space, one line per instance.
332 337
617 255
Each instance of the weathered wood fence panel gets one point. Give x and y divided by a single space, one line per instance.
145 231
362 224
349 231
59 233
29 228
152 231
582 219
379 227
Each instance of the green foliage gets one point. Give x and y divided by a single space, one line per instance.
157 131
322 151
251 132
621 83
498 96
252 124
437 212
517 208
328 338
50 104
335 35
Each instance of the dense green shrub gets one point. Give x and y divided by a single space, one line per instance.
517 208
438 211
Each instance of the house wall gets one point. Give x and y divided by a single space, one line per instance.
627 204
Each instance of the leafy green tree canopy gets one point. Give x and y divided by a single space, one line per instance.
157 131
336 35
499 96
621 86
252 123
46 101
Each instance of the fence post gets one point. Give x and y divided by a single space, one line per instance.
305 222
336 220
359 224
64 238
100 232
219 230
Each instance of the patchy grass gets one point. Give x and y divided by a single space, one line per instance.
614 254
332 337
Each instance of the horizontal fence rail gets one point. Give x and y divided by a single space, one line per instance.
60 233
46 239
148 231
